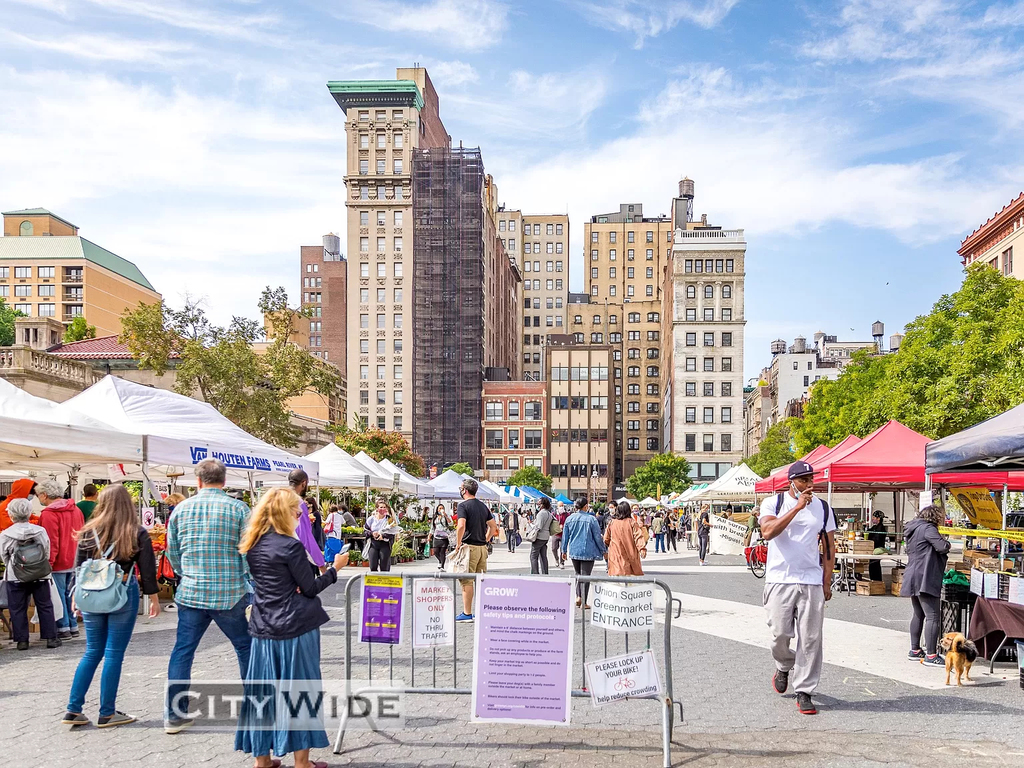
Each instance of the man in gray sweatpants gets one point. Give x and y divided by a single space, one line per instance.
798 581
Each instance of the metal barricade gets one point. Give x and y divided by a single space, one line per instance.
667 700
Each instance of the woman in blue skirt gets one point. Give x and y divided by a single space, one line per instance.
285 626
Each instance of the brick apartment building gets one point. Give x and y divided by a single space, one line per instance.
324 275
515 428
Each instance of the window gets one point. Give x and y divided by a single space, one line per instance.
558 229
494 411
652 444
364 397
691 292
652 390
726 415
47 310
493 439
398 218
650 236
531 438
727 341
709 415
629 290
382 269
23 272
382 397
650 254
381 372
630 254
364 346
709 364
653 353
612 236
726 442
688 267
728 265
709 443
691 414
726 389
594 239
709 315
558 265
1007 262
726 291
364 192
709 389
5 272
690 442
709 291
26 309
633 443
611 290
633 354
691 389
630 237
513 410
399 144
611 255
364 321
633 426
698 266
691 315
597 338
691 364
45 271
633 407
532 411
653 317
649 290
398 269
691 339
650 273
23 290
653 335
398 245
611 272
807 381
709 339
398 295
633 389
364 295
727 364
727 315
364 138
382 321
364 167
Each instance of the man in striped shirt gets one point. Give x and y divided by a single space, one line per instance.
202 545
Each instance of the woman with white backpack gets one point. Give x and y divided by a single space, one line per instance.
110 546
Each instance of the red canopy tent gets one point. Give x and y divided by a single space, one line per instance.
779 480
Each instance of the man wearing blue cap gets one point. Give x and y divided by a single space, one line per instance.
800 531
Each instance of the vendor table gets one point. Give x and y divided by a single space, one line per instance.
995 624
845 580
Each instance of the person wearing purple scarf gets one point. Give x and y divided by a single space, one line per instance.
299 481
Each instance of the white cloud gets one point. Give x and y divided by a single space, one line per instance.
452 74
650 18
102 48
468 24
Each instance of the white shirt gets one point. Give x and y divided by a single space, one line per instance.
335 521
793 556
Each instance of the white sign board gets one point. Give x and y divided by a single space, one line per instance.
148 517
433 613
1016 591
726 536
622 607
633 675
991 583
977 581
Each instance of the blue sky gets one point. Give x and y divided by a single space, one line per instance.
857 142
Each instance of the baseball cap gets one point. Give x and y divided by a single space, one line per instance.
800 469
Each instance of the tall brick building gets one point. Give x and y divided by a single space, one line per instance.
324 275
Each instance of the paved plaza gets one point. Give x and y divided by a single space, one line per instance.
875 707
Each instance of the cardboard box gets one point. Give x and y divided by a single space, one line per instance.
870 588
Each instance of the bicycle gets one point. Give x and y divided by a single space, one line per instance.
757 559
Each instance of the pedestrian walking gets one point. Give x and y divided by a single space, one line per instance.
202 544
62 520
25 552
439 535
922 582
511 523
626 543
376 531
332 532
298 480
285 628
538 535
112 533
658 529
671 531
560 515
475 529
800 531
583 544
703 534
603 517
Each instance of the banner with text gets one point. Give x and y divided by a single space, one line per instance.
631 676
433 613
726 536
977 503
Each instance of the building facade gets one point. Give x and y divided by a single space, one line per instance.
515 428
324 275
993 242
580 419
48 270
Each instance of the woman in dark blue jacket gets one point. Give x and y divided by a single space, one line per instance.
285 626
922 582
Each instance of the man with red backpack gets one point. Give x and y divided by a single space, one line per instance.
800 530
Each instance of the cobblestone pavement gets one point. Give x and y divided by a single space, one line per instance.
732 716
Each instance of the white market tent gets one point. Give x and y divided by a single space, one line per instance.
178 432
446 486
422 487
628 500
649 502
363 459
503 496
735 485
34 435
339 470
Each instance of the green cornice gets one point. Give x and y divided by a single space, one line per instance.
374 93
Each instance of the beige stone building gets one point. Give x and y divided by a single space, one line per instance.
580 419
48 270
993 242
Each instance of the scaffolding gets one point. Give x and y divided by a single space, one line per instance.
448 303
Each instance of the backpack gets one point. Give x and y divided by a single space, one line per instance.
30 562
555 529
101 586
823 533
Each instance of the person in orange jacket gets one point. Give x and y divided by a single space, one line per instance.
62 520
23 488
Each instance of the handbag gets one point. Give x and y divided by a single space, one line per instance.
366 549
102 587
555 528
519 539
4 599
58 603
458 561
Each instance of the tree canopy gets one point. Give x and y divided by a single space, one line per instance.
958 365
7 316
773 450
532 477
221 365
462 468
79 329
668 470
380 444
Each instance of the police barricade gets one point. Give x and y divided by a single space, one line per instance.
429 662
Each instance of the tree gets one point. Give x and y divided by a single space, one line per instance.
532 477
7 318
380 444
79 329
462 468
668 470
221 366
773 450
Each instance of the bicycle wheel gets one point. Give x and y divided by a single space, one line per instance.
756 567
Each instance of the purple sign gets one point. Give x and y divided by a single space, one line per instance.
382 609
522 670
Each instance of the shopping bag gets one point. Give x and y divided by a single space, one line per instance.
4 600
58 603
458 561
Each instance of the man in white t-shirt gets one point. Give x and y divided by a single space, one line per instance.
798 581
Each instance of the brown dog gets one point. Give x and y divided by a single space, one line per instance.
960 654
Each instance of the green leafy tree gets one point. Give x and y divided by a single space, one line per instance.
462 468
79 329
668 470
773 450
532 477
222 367
7 317
380 444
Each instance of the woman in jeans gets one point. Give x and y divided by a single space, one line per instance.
922 582
539 546
380 542
114 525
582 542
440 531
285 627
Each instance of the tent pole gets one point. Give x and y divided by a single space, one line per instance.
830 493
1002 542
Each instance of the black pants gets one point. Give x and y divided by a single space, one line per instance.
702 545
18 593
511 536
875 570
440 550
671 537
583 568
926 617
538 557
380 555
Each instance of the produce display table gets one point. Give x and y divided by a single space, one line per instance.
846 560
995 624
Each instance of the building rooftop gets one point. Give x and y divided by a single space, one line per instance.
70 247
375 93
102 348
1011 210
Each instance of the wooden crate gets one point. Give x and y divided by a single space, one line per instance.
870 588
862 547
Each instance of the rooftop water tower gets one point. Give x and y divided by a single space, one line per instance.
778 347
878 333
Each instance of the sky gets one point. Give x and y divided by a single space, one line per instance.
856 142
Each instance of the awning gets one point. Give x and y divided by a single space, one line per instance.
996 444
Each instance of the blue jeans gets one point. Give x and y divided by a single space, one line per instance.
65 582
106 639
192 625
659 542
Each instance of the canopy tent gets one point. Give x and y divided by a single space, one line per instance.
779 479
735 485
503 496
339 470
407 480
446 486
34 435
994 444
563 498
649 502
179 432
364 460
626 499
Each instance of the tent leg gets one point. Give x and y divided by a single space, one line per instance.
1002 542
